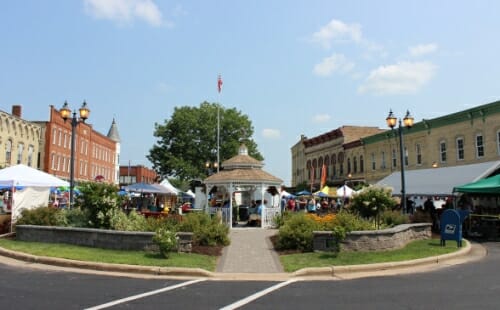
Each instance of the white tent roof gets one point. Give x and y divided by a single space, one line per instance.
172 190
22 175
190 193
344 191
438 181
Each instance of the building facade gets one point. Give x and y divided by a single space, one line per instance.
19 139
95 154
329 149
136 174
462 138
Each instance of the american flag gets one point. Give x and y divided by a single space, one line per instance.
219 83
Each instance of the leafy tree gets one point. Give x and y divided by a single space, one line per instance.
189 139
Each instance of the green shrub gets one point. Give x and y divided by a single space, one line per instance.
297 233
390 218
166 241
372 200
74 217
99 200
43 216
206 230
350 221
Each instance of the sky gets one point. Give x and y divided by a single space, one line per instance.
293 67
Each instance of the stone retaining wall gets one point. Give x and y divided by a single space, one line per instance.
374 240
98 238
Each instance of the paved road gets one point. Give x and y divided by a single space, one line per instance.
473 285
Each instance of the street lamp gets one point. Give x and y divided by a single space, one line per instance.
408 122
209 166
65 114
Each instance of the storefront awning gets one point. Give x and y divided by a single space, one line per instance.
438 181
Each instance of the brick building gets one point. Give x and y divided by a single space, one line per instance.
95 154
136 174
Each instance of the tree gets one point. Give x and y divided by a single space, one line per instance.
189 139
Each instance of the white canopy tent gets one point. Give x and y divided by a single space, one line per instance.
30 187
345 191
171 189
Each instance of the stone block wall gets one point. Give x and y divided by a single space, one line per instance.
98 238
376 240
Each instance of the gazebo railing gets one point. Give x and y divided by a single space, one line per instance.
269 215
223 213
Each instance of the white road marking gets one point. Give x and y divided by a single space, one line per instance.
123 300
257 295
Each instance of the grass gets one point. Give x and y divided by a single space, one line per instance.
81 253
291 262
414 250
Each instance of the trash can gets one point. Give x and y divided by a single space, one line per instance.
243 213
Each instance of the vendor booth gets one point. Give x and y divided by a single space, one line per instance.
482 199
24 188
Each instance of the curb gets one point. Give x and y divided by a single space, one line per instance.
328 272
63 262
342 270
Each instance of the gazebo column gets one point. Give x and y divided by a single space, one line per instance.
231 191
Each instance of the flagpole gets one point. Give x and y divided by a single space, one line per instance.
218 134
219 89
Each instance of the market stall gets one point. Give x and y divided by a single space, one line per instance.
24 188
482 199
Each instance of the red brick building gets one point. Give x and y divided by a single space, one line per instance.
95 153
135 174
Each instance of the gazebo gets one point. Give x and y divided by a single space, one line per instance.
240 181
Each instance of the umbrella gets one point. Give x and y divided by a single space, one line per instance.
320 194
146 188
303 193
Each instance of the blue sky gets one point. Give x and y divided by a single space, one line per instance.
294 67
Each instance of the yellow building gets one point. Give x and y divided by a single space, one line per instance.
19 139
355 154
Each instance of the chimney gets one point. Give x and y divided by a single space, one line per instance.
17 111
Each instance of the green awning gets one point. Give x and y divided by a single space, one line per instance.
489 185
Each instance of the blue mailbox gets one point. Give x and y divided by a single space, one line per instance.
451 226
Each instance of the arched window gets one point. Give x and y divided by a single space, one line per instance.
8 152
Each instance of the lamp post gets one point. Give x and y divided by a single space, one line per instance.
408 122
209 166
65 114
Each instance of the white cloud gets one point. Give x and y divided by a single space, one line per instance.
269 133
321 118
125 11
337 30
400 78
335 63
422 49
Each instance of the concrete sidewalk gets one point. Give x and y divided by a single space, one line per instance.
250 251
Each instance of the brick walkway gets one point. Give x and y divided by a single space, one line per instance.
250 251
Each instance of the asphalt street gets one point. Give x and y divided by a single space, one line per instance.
472 285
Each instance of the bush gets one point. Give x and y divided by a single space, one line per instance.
390 218
99 201
371 201
206 230
351 222
74 217
43 216
297 233
166 241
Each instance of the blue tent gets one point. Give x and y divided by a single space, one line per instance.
303 193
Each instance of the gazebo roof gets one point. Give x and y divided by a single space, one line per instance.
242 168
